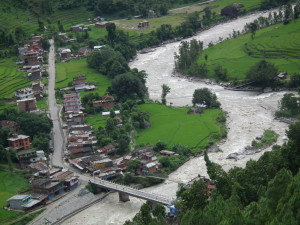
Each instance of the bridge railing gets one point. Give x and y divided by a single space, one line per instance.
133 191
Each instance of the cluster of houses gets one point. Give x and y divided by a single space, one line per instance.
31 59
47 183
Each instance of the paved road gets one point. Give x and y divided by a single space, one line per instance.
58 137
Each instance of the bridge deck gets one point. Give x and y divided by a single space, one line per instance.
132 191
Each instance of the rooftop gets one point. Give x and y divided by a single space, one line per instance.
18 197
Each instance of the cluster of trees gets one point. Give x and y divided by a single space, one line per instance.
108 61
268 4
289 106
264 192
204 96
149 215
263 73
132 118
186 59
38 127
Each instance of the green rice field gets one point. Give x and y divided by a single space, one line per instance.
175 126
10 78
278 44
66 71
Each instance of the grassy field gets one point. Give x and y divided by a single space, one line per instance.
42 104
10 79
278 44
96 120
66 71
10 185
175 126
177 16
96 32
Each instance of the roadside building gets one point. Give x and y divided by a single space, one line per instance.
32 58
47 187
72 102
19 142
34 74
82 127
20 202
27 105
74 118
37 167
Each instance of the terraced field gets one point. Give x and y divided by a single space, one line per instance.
175 126
278 44
66 71
10 79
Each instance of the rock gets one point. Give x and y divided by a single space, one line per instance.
214 149
233 156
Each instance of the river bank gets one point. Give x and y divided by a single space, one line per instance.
249 114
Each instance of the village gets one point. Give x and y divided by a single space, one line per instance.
81 153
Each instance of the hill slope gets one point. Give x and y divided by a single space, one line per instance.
278 44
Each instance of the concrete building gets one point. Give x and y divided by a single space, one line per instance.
48 187
19 142
24 93
74 118
27 105
72 103
26 157
18 201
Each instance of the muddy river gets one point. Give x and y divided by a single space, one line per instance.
249 114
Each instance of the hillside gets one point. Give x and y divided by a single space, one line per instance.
278 44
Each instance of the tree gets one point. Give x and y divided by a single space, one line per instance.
220 72
262 73
253 28
290 102
206 97
193 198
133 165
111 32
165 90
127 86
41 142
123 144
